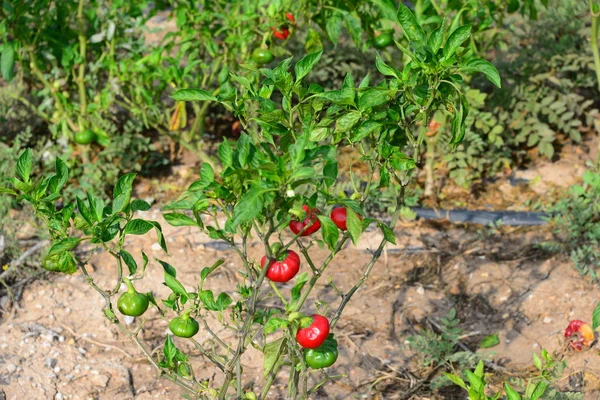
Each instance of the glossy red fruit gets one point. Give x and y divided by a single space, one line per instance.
313 335
290 17
579 335
311 222
282 270
281 33
339 215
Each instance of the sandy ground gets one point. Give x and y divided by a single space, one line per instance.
57 345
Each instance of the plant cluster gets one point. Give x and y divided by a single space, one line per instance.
275 187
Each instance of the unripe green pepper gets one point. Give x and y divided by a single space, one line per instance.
132 303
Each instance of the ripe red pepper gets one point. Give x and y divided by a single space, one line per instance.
313 335
282 270
290 17
579 335
339 215
311 221
281 33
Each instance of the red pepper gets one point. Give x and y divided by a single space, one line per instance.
579 335
313 335
311 221
338 216
290 17
282 270
281 33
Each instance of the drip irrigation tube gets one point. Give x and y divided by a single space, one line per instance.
510 218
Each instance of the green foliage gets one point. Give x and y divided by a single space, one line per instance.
439 349
541 386
577 225
547 99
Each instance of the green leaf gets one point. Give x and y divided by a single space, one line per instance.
455 40
207 174
207 270
456 380
411 27
7 62
401 161
306 64
169 349
372 97
176 286
330 172
333 27
537 362
384 68
539 390
169 269
437 38
192 95
354 225
485 67
122 193
388 233
273 324
225 154
129 261
596 317
387 9
297 289
489 341
272 354
511 394
96 207
137 227
223 300
61 177
63 246
176 219
159 235
24 165
139 205
330 232
318 134
347 122
364 130
249 206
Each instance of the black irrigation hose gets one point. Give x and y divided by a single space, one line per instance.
510 218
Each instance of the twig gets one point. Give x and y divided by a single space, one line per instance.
21 259
78 336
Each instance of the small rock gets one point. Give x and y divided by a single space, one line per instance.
82 350
128 320
547 320
11 368
421 290
100 381
50 362
59 396
69 377
56 370
156 247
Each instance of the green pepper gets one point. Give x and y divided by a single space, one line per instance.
184 326
323 356
132 303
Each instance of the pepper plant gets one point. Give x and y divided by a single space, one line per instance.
275 189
